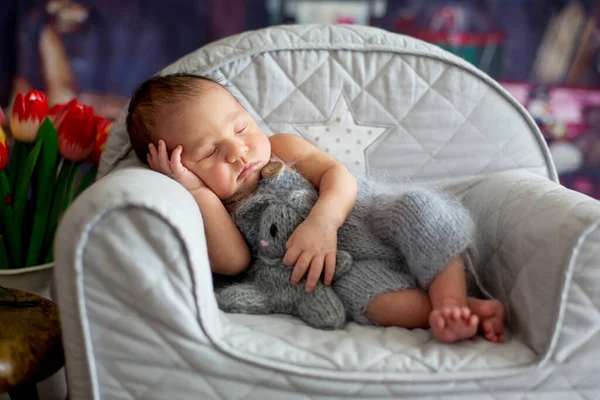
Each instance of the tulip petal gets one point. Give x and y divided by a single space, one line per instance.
3 149
103 127
77 131
37 105
27 114
18 110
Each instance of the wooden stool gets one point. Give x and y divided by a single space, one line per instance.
30 343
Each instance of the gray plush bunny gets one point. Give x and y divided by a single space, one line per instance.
266 221
396 239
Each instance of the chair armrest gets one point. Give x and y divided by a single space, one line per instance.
535 237
132 276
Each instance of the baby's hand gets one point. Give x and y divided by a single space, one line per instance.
158 160
312 245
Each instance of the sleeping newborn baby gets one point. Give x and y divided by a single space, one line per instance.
398 240
412 251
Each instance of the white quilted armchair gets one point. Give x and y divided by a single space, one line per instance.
134 286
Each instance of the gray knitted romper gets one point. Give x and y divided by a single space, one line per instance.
397 239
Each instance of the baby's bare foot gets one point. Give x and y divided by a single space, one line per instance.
491 315
451 322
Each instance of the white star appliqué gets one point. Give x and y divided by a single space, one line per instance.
342 137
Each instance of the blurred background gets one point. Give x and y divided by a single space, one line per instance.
545 52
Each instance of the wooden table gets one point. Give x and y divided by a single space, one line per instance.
30 344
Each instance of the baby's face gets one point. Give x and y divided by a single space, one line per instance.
222 143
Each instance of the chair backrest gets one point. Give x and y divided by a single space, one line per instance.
382 103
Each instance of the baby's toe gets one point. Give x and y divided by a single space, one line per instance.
436 320
473 320
465 312
446 313
456 313
488 327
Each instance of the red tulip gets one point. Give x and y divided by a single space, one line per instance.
56 113
102 129
27 114
76 130
3 149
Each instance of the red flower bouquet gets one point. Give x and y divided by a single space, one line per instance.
51 149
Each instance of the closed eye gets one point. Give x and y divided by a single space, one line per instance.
207 153
241 129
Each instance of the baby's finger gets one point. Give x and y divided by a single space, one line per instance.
149 161
314 273
329 268
153 155
163 157
300 268
291 256
176 159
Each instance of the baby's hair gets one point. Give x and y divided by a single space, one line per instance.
151 101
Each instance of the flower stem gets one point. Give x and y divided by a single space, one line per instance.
46 175
13 237
87 180
23 183
12 170
69 192
59 195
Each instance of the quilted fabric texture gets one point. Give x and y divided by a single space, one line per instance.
425 108
133 281
150 328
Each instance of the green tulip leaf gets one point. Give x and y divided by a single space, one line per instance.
59 195
44 189
86 181
14 162
69 191
13 236
23 182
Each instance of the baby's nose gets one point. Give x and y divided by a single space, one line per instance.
237 150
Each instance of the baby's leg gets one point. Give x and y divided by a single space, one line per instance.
409 308
368 280
427 227
451 318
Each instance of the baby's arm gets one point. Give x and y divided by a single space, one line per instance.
314 242
227 250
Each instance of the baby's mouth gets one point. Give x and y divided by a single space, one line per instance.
247 170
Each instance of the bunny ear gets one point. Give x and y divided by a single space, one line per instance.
302 200
253 207
247 216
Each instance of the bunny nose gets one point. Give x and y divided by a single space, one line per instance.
264 243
